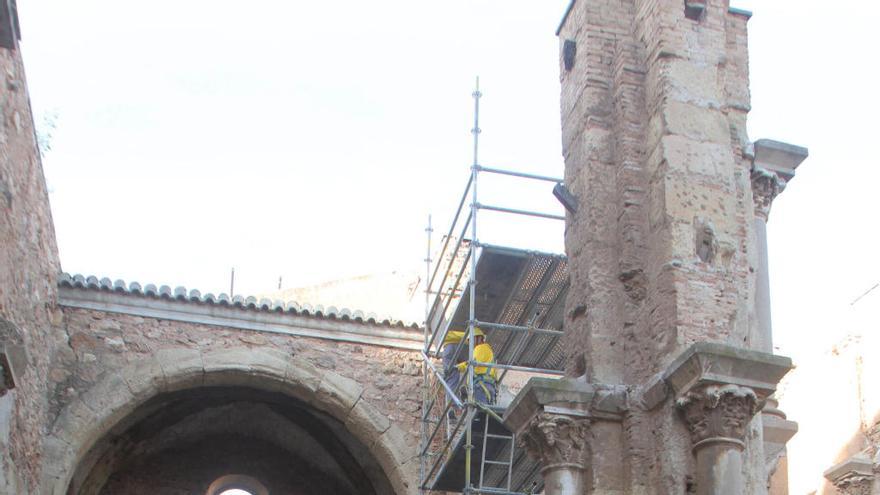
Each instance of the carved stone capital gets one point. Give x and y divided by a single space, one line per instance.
855 484
766 185
551 420
854 476
556 440
719 388
773 166
718 413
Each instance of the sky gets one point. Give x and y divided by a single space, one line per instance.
311 140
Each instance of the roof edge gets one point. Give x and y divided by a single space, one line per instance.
250 303
565 16
743 12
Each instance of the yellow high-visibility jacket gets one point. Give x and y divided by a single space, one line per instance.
482 353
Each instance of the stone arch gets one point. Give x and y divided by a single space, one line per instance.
239 481
106 405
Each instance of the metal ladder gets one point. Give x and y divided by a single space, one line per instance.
483 461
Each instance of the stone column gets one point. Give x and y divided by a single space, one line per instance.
551 420
718 389
773 166
766 186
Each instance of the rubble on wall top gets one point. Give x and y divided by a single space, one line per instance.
248 303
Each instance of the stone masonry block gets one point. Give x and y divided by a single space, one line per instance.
392 449
110 399
231 367
366 422
692 82
56 454
244 365
685 197
697 123
706 158
181 368
144 378
337 394
408 473
75 426
301 379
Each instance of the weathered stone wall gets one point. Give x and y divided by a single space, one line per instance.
28 269
653 116
103 343
662 250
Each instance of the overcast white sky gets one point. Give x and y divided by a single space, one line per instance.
311 140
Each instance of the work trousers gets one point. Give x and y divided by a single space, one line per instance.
450 373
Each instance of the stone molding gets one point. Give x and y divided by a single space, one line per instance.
718 413
556 440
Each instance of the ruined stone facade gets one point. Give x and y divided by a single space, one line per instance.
114 388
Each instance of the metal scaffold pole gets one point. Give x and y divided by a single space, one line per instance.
471 405
426 391
520 310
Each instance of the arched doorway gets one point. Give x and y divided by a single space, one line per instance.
294 429
237 484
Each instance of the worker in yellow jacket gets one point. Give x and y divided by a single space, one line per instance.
484 376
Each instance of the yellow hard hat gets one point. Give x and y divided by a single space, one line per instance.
455 336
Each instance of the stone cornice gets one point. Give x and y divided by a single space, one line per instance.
231 316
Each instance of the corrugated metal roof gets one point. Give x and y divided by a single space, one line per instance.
249 303
519 287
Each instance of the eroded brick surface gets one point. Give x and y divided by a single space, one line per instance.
662 249
28 269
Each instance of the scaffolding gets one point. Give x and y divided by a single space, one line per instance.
516 297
